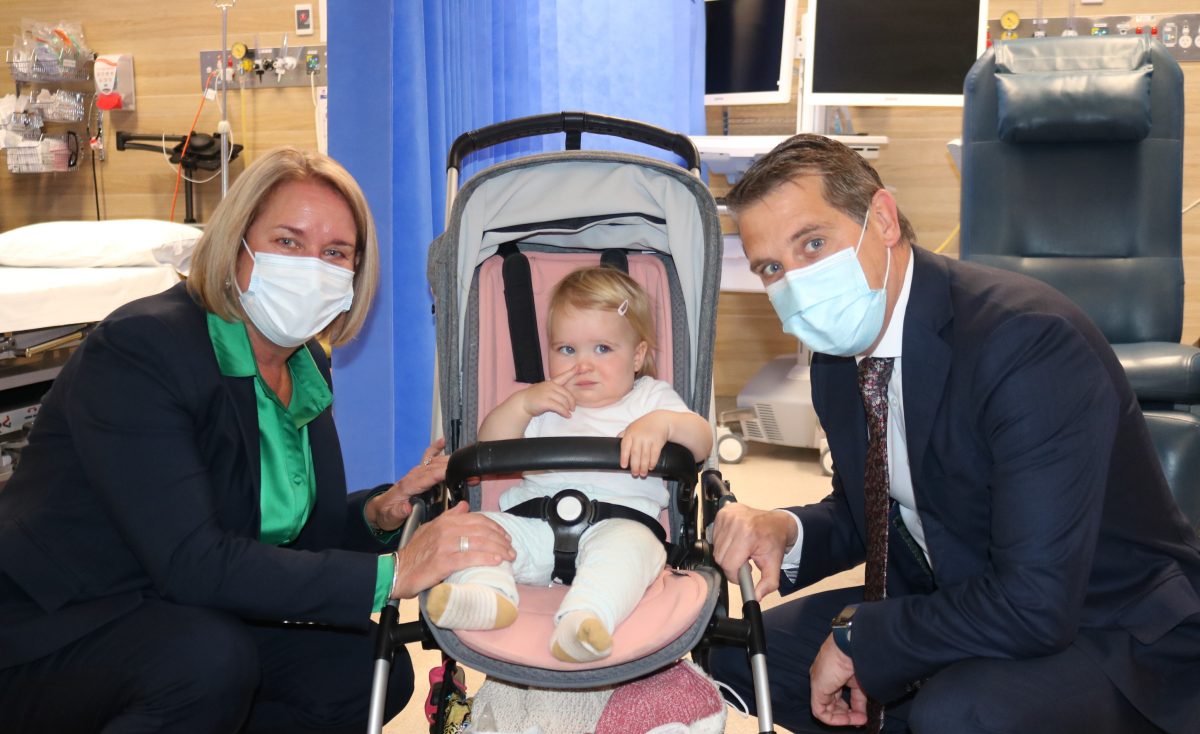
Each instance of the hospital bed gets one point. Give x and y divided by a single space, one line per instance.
57 279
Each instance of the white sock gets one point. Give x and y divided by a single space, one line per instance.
580 637
469 607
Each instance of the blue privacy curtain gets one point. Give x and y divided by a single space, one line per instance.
406 78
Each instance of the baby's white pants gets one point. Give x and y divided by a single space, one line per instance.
617 560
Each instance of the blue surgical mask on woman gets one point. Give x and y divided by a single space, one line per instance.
829 305
290 298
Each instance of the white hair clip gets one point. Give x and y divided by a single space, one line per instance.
623 308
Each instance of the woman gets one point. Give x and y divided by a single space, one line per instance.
177 549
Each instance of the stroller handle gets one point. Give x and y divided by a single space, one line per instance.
572 123
573 453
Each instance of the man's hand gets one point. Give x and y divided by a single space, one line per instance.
832 672
388 510
743 533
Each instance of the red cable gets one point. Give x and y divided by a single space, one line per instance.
188 139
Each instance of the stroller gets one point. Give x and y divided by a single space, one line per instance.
512 232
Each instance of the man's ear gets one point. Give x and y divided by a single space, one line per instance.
887 216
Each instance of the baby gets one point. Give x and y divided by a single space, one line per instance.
601 336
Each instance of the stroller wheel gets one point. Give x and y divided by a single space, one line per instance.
731 448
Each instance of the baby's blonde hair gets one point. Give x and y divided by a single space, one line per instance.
604 288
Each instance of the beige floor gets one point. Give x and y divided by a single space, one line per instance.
769 476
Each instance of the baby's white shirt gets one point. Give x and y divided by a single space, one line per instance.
648 495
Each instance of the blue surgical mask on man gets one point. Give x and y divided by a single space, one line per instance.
829 305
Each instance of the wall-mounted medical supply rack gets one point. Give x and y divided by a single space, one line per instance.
43 94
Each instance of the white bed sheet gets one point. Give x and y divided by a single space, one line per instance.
36 298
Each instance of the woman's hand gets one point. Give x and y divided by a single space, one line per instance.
387 511
455 540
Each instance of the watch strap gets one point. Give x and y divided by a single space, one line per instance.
842 627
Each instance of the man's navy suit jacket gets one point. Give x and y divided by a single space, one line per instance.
141 480
1046 515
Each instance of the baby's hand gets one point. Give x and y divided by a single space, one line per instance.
551 396
642 442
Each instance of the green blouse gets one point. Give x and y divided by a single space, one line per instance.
288 484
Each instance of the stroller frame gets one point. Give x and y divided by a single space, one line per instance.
687 515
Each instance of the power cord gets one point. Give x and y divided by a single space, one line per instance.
946 242
99 136
167 158
203 96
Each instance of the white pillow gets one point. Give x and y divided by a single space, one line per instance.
106 244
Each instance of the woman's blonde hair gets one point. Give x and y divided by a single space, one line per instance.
604 288
213 278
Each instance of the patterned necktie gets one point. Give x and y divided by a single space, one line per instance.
873 376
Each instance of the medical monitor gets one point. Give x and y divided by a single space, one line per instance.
891 52
749 51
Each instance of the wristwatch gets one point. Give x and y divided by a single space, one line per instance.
842 625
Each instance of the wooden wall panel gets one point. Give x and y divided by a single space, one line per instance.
916 166
165 40
748 336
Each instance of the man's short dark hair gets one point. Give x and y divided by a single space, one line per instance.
848 181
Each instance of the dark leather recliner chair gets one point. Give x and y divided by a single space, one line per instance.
1072 172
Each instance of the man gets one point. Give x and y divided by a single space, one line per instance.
1039 576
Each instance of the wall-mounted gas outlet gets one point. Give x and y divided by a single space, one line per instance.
264 68
1179 32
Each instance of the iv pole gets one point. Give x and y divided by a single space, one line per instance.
223 126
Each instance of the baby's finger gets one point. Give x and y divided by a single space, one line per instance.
637 460
562 378
648 452
561 403
567 397
652 458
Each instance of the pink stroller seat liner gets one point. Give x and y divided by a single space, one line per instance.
668 608
498 380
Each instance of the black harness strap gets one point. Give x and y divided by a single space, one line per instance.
615 259
522 316
567 531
